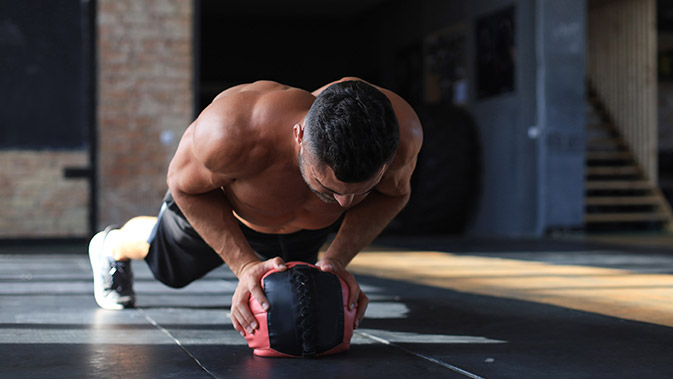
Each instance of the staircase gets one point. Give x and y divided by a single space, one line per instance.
618 195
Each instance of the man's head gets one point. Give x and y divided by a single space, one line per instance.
351 127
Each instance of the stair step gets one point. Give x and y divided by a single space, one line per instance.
601 126
609 159
597 185
605 142
612 170
625 217
608 155
621 200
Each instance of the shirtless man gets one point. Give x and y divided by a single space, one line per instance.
260 178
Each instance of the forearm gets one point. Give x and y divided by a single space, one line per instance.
211 216
362 224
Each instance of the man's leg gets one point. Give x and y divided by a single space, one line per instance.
110 252
130 242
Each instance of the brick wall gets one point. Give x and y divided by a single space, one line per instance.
36 201
145 100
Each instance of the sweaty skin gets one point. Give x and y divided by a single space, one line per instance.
239 161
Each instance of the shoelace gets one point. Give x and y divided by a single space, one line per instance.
121 276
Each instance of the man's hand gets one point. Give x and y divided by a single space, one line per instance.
249 278
356 295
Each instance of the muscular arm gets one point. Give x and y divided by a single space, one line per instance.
209 158
360 227
364 222
197 187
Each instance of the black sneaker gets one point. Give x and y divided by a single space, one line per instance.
112 280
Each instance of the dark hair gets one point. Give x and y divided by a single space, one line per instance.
352 128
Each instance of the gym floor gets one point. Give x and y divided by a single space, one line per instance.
440 308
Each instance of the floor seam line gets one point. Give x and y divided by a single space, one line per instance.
419 355
177 342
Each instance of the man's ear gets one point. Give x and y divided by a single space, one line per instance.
298 132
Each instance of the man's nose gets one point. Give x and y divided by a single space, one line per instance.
344 200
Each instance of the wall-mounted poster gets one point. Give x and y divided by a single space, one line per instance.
446 66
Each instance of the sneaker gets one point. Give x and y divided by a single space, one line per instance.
112 280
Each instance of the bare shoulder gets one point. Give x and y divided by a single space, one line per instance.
411 131
234 134
397 180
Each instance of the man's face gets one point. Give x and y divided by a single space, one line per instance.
321 180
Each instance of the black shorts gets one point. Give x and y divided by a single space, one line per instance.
178 255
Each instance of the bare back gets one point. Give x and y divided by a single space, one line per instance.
242 144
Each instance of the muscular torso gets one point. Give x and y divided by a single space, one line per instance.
243 145
278 201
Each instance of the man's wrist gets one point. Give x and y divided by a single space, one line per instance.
239 267
334 260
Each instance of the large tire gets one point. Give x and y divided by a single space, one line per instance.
446 183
